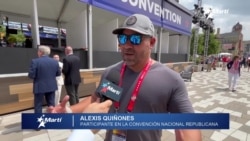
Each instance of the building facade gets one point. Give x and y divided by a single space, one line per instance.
232 42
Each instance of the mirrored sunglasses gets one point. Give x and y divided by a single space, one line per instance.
134 39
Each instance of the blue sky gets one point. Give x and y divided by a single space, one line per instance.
226 13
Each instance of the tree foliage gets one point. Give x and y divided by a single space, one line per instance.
12 38
2 31
20 37
213 45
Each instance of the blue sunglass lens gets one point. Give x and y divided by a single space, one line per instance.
134 39
122 39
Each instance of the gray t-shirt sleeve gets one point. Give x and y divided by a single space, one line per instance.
179 101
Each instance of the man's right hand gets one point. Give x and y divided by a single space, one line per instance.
85 106
97 107
60 108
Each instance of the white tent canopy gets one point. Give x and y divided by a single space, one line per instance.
224 54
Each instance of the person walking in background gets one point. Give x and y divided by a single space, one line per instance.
243 62
214 63
248 64
44 70
28 43
138 75
71 71
209 62
224 62
203 60
233 72
59 80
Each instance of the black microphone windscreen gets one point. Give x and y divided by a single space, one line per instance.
108 87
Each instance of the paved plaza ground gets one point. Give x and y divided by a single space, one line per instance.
208 92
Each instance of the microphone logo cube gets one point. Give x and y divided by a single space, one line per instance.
110 90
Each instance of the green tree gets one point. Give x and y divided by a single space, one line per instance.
192 43
200 44
2 31
213 45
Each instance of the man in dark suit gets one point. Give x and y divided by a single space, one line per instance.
43 70
71 71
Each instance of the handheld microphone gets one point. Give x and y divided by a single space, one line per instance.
108 88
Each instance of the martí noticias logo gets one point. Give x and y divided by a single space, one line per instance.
104 87
44 120
107 87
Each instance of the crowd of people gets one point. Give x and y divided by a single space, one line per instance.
49 75
213 61
232 64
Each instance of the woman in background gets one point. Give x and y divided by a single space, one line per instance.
59 80
233 67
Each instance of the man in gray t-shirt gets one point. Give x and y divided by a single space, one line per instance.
151 86
162 91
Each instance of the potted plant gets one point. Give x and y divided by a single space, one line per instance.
12 40
20 38
16 38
